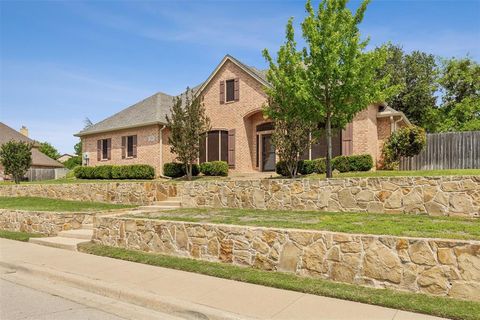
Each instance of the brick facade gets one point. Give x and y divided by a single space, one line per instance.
243 115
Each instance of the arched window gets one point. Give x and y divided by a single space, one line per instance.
214 146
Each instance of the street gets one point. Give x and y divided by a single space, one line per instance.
21 303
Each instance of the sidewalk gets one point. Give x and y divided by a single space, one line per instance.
182 294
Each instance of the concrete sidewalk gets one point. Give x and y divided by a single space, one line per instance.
181 294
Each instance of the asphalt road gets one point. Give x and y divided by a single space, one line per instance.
21 303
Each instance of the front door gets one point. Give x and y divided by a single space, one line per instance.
268 153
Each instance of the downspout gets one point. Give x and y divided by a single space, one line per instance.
395 124
392 125
161 152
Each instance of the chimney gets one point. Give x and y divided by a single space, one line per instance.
24 131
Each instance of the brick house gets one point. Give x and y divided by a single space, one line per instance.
233 96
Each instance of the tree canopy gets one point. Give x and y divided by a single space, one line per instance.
49 150
16 158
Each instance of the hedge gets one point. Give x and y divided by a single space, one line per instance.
362 162
312 166
177 170
135 171
214 168
281 168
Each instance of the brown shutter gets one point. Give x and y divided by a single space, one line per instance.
236 89
347 140
99 150
222 92
135 146
124 147
109 149
231 148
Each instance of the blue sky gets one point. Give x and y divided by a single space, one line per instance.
62 61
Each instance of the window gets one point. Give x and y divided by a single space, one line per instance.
230 84
214 146
104 147
129 147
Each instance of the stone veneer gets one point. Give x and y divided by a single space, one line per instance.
432 266
111 192
47 223
446 195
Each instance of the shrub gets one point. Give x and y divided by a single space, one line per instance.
177 170
73 162
281 168
214 168
306 167
174 169
135 171
362 162
405 142
341 164
319 165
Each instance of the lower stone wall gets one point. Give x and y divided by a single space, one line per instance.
447 195
47 223
432 266
112 192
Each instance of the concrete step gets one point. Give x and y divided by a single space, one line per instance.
87 226
158 207
77 234
167 203
59 242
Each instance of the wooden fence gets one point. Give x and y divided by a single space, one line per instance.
450 150
36 174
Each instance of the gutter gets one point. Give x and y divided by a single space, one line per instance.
87 133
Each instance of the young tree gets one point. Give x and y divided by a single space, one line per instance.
16 158
286 101
187 122
460 109
341 78
49 150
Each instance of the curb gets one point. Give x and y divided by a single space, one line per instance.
172 306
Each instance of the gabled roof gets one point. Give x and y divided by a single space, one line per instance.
153 110
387 111
38 159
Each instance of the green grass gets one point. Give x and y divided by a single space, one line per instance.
438 306
368 223
74 180
19 236
45 204
388 173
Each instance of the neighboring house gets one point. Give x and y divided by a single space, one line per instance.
39 160
64 157
233 96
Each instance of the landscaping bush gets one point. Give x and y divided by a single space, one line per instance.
136 171
73 162
319 165
281 168
362 162
177 170
405 142
214 168
341 163
306 167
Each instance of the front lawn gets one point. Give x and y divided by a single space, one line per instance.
369 223
18 235
46 204
75 180
438 306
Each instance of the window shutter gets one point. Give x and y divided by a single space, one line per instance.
124 147
222 92
236 90
135 146
99 150
109 149
231 148
347 140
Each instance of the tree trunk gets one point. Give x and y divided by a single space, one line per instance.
189 171
328 160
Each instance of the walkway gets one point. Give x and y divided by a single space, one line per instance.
178 293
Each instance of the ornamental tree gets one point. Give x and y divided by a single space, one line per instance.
16 158
405 142
340 77
49 150
286 97
187 123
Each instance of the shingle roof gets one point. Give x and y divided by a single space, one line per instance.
153 110
38 159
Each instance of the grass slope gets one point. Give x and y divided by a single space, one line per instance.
368 223
19 236
438 306
45 204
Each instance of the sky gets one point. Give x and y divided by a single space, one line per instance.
64 61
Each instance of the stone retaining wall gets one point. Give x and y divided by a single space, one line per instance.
432 266
48 223
112 192
447 195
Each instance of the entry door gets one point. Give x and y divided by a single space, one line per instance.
268 153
